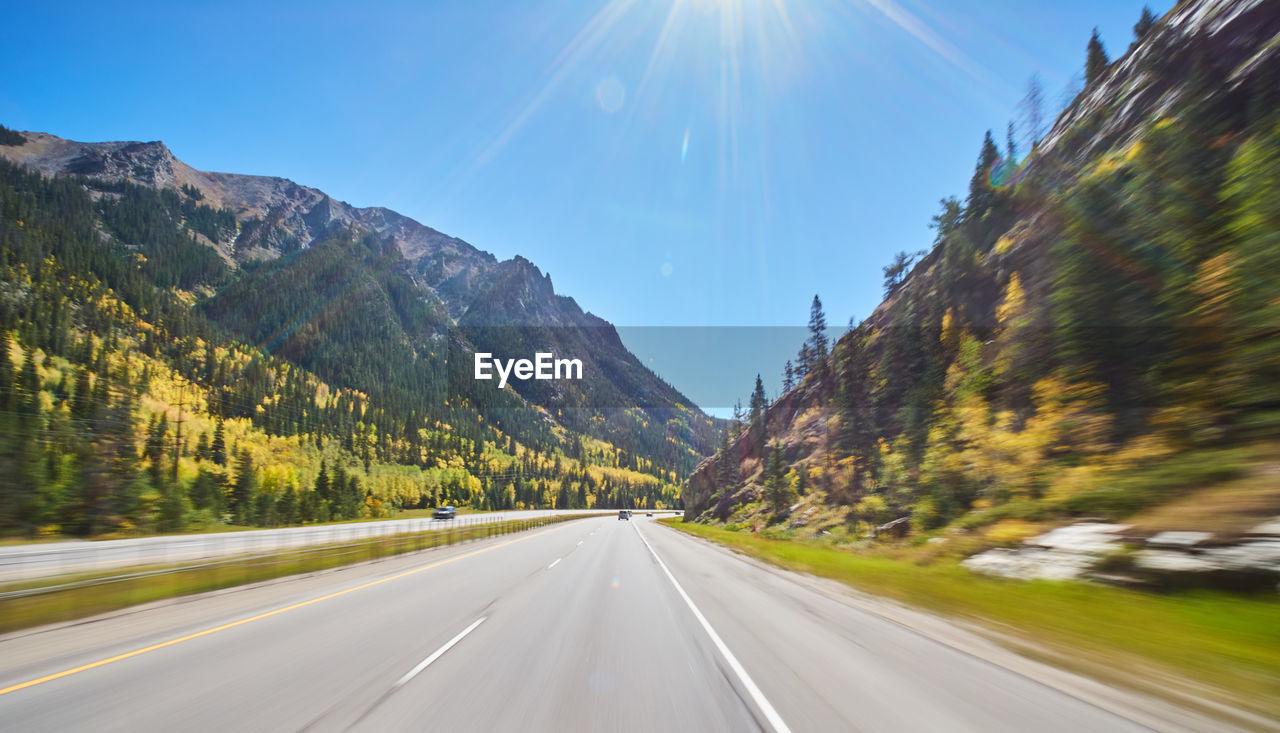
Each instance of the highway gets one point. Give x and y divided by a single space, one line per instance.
29 561
589 625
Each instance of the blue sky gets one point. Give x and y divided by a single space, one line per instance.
820 133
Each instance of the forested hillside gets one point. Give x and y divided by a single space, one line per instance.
150 381
1094 330
411 284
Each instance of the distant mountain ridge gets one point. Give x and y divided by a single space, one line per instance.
508 307
297 216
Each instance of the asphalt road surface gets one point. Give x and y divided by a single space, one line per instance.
27 561
591 625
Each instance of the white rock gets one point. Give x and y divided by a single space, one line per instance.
1093 538
1267 528
1030 564
1179 539
1263 555
1172 561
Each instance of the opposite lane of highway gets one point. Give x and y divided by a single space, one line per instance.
43 559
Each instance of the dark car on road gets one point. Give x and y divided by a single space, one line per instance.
445 512
624 514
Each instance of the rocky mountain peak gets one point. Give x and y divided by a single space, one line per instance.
146 163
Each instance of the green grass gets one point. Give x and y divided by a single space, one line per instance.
1223 645
67 598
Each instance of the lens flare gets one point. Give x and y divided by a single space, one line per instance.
1006 172
684 147
610 94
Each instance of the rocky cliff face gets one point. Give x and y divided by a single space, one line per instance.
1217 50
276 214
150 164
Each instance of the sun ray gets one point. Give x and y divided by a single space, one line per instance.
908 22
590 37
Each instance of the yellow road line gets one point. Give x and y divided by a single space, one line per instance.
243 621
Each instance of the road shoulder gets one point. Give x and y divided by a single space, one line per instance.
1005 650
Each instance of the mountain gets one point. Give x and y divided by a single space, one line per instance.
1092 333
187 350
277 215
390 322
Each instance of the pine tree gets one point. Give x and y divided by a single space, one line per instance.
351 499
562 496
207 492
337 489
29 384
896 272
308 506
6 373
210 362
1010 147
157 435
804 362
817 334
948 220
788 377
1145 23
263 513
777 491
1096 61
1032 113
82 397
108 470
101 385
218 449
726 478
758 401
244 489
11 137
287 506
173 507
982 196
322 483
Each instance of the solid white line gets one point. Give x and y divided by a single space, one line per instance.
770 713
557 562
438 653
